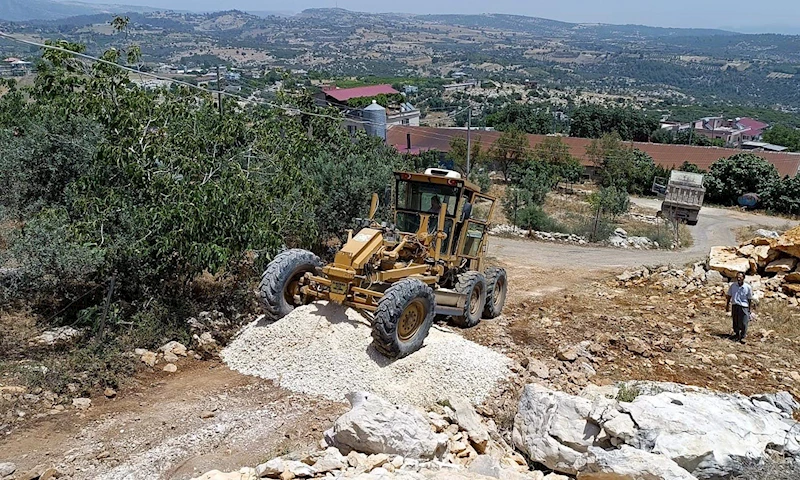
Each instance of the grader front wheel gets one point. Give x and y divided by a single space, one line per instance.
403 319
280 283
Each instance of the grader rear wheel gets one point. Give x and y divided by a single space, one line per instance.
473 285
403 318
496 289
279 290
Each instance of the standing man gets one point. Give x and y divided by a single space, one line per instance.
741 294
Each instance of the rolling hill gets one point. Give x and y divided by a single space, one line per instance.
25 10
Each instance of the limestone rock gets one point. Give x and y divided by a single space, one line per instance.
109 392
331 460
490 467
713 277
374 425
7 469
567 354
763 233
538 368
792 277
170 357
629 463
784 265
783 401
57 336
149 358
175 348
272 469
764 254
469 421
553 428
243 474
81 403
708 433
727 261
170 368
789 242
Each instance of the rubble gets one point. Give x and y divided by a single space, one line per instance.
544 236
59 336
620 239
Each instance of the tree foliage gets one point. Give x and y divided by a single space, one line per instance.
729 178
522 117
594 121
785 136
512 148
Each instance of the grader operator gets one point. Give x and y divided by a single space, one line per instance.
429 261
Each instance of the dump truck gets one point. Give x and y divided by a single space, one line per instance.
683 196
428 261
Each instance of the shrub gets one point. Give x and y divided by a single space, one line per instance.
729 178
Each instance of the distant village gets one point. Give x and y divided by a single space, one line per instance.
383 111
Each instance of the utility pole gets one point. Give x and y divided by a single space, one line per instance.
219 92
469 137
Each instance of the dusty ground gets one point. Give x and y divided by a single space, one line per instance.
155 429
560 295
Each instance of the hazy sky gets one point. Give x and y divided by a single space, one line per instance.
744 14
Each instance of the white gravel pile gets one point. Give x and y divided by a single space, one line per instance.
323 350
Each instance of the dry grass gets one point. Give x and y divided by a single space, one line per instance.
744 234
780 317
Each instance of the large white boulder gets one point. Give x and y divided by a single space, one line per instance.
629 463
374 425
707 434
554 428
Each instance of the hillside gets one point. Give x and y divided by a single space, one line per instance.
24 10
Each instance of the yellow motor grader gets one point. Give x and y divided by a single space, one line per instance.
429 261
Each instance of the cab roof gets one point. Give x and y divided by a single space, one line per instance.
440 177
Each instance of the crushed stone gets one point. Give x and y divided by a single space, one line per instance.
326 350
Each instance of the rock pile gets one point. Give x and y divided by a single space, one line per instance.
770 260
167 356
326 350
653 430
59 336
377 440
544 236
620 239
634 430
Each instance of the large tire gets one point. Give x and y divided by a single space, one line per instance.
496 290
279 281
473 285
404 317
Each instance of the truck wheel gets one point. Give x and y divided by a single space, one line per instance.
404 317
280 283
473 285
691 222
496 288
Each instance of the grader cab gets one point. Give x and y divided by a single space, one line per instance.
429 261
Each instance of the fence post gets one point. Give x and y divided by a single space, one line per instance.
105 308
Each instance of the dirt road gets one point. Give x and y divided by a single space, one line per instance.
715 227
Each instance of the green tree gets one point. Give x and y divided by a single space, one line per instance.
512 148
594 121
729 178
522 117
785 136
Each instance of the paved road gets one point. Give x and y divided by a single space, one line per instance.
715 227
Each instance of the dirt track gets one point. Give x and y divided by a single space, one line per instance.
715 227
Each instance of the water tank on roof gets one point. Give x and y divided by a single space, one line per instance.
375 120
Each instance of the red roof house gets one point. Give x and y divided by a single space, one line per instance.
345 94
